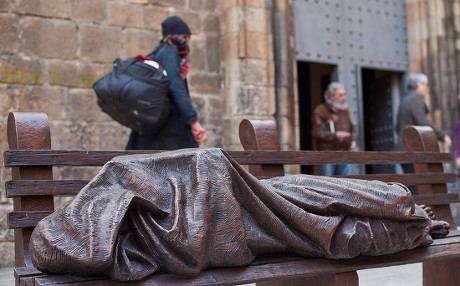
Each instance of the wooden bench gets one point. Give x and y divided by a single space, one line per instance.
33 189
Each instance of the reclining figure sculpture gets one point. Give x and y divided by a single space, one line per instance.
188 210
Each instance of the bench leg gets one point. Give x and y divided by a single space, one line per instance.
343 279
443 272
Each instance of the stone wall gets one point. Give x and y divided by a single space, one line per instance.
258 67
248 65
434 37
52 51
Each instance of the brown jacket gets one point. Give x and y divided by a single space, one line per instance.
324 138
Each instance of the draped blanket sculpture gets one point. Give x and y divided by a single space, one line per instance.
188 210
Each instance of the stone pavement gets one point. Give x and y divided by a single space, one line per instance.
6 276
407 275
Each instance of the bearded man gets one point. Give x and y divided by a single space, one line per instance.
332 128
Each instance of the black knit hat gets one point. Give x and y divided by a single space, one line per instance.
174 25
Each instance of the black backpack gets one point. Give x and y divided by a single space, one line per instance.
135 94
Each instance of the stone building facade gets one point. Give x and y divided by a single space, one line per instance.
434 48
243 56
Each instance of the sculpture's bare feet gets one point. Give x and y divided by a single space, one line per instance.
438 229
429 212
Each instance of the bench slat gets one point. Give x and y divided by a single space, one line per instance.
408 179
436 199
18 158
22 188
345 157
297 267
24 219
43 188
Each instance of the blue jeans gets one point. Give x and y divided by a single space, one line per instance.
334 169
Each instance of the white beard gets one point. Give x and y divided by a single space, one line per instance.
341 106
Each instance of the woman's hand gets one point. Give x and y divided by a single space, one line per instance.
198 132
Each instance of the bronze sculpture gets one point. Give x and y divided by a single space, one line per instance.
188 210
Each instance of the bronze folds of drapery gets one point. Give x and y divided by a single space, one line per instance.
187 210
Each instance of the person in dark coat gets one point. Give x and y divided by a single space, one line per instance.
182 129
414 111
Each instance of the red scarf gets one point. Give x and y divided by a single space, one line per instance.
181 44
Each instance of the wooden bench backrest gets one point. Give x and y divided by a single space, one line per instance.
33 187
28 132
261 135
420 141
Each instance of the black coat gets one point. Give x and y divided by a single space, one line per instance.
176 133
414 111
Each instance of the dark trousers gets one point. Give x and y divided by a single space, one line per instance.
409 169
